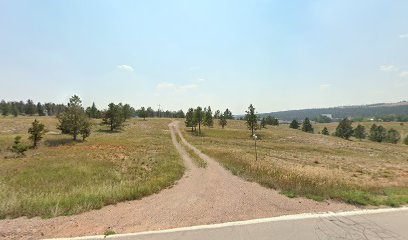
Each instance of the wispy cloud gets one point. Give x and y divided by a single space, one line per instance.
404 74
125 67
176 88
388 68
405 35
201 80
324 86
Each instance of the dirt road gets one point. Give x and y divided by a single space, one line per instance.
203 196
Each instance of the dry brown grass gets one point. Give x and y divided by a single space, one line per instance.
313 165
63 177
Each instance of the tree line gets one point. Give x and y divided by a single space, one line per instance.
29 108
199 117
345 130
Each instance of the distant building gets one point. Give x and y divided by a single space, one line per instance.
328 115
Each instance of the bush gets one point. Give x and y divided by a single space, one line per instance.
359 132
325 131
377 133
393 136
18 147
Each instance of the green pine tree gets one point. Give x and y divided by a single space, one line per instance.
36 131
294 124
307 126
344 129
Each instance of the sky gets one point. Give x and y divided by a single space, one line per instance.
276 55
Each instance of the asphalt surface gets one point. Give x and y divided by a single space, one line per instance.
365 224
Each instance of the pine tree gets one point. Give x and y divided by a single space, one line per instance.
40 110
14 109
18 147
325 131
142 113
222 121
30 108
72 120
217 114
294 124
114 117
393 136
307 126
190 119
36 131
93 111
198 118
208 117
228 114
127 111
4 107
344 129
251 119
377 133
85 130
359 132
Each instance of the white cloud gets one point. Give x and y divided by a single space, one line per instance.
388 68
126 68
405 35
176 88
200 80
324 86
404 74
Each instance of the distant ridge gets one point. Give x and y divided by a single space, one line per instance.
356 111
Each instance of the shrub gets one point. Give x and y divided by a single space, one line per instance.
325 131
344 129
393 136
359 132
307 126
18 147
377 133
294 124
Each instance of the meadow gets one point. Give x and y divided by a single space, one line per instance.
62 177
312 165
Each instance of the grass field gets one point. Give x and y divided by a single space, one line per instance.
312 165
62 177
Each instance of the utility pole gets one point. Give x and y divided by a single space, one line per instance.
159 111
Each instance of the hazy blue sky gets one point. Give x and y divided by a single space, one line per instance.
277 55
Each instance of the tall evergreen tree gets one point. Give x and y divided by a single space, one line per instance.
217 114
40 110
228 114
114 117
251 119
30 108
307 126
143 113
344 129
208 117
36 131
73 119
127 111
198 118
14 109
294 124
190 119
263 122
4 107
359 132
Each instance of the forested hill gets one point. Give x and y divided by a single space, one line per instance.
362 111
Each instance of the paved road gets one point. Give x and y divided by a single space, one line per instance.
371 224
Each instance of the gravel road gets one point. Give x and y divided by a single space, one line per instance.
202 196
